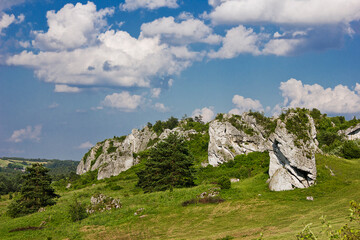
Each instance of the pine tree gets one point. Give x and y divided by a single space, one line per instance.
35 193
169 165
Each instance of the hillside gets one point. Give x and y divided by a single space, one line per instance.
248 210
205 211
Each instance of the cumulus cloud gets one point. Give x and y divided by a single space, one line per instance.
155 92
28 133
207 114
311 12
6 20
71 27
123 101
161 107
188 31
340 99
238 40
282 47
245 104
66 88
131 5
85 145
93 58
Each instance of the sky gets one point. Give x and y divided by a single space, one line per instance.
73 73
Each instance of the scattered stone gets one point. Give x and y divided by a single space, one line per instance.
68 185
140 210
43 223
142 216
42 209
101 203
234 180
310 198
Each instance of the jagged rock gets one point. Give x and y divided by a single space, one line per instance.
292 160
116 155
113 156
227 140
352 133
101 203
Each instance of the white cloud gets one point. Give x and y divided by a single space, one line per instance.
155 92
340 99
86 145
123 101
245 104
66 88
282 47
238 40
71 27
161 107
188 31
207 114
170 82
6 4
312 12
93 58
132 5
28 133
6 20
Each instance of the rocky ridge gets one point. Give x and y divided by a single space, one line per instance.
291 150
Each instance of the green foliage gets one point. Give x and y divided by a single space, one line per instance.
120 139
86 155
306 234
268 123
242 167
224 182
152 142
77 210
160 126
169 165
236 121
197 126
85 179
350 150
220 117
99 151
36 192
198 146
111 148
297 123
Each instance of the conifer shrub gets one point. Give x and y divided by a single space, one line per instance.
77 210
224 182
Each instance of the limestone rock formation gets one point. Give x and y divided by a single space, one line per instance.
292 154
116 155
113 156
234 135
352 133
292 159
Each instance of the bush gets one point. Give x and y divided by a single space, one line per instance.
77 210
224 182
350 150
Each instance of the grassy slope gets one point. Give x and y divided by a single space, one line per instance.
250 208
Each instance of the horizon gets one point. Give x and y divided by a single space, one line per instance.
73 73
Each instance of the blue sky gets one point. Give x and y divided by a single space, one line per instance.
73 73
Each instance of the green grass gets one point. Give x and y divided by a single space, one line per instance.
249 209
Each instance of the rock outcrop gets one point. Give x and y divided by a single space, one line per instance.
234 135
292 159
292 154
352 133
113 156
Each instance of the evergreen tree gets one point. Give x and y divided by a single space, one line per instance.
35 193
169 165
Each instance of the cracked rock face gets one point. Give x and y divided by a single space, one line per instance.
114 156
352 133
227 140
292 160
120 158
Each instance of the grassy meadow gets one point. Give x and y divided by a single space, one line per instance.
248 210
